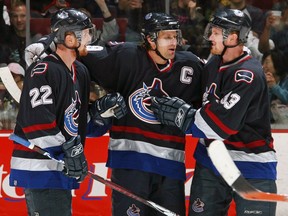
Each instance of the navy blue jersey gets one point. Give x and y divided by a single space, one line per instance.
139 141
53 109
236 110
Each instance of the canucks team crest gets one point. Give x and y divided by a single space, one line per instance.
133 210
71 116
198 206
140 101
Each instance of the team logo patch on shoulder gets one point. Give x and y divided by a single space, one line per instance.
39 69
244 75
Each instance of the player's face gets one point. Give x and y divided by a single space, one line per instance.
216 38
167 43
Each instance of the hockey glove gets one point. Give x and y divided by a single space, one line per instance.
108 106
75 161
173 111
40 49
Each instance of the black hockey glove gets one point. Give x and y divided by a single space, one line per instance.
75 161
105 108
173 111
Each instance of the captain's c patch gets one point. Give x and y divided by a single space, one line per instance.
244 75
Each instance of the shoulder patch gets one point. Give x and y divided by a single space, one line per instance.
244 76
40 68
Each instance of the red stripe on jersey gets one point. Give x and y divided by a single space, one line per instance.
37 127
225 67
251 145
148 134
218 121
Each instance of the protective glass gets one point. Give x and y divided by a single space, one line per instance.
86 36
209 30
166 41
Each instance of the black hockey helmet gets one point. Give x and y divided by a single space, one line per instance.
155 22
230 20
71 20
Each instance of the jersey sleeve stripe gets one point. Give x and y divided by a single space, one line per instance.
37 127
218 122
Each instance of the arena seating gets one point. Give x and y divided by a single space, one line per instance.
42 26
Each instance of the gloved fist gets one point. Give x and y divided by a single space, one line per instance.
36 51
173 112
75 161
108 106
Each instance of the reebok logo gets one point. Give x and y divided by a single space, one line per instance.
179 117
77 150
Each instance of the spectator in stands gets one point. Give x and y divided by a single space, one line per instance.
15 35
94 8
256 15
132 10
110 29
45 8
275 68
192 23
277 32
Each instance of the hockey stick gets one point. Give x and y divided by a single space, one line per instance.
232 175
110 184
9 82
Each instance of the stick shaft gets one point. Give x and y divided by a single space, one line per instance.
233 177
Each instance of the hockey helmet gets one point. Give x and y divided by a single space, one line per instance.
71 20
155 22
230 20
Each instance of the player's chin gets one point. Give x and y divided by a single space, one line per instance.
171 53
215 51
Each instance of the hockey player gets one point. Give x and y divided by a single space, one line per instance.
235 109
53 115
145 156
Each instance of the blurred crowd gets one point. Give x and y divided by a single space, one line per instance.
268 40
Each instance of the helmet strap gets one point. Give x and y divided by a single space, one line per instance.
159 54
225 46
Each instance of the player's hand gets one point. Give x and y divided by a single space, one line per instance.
173 112
75 160
104 109
34 51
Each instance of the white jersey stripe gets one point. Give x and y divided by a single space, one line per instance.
35 164
48 141
265 157
201 125
146 148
